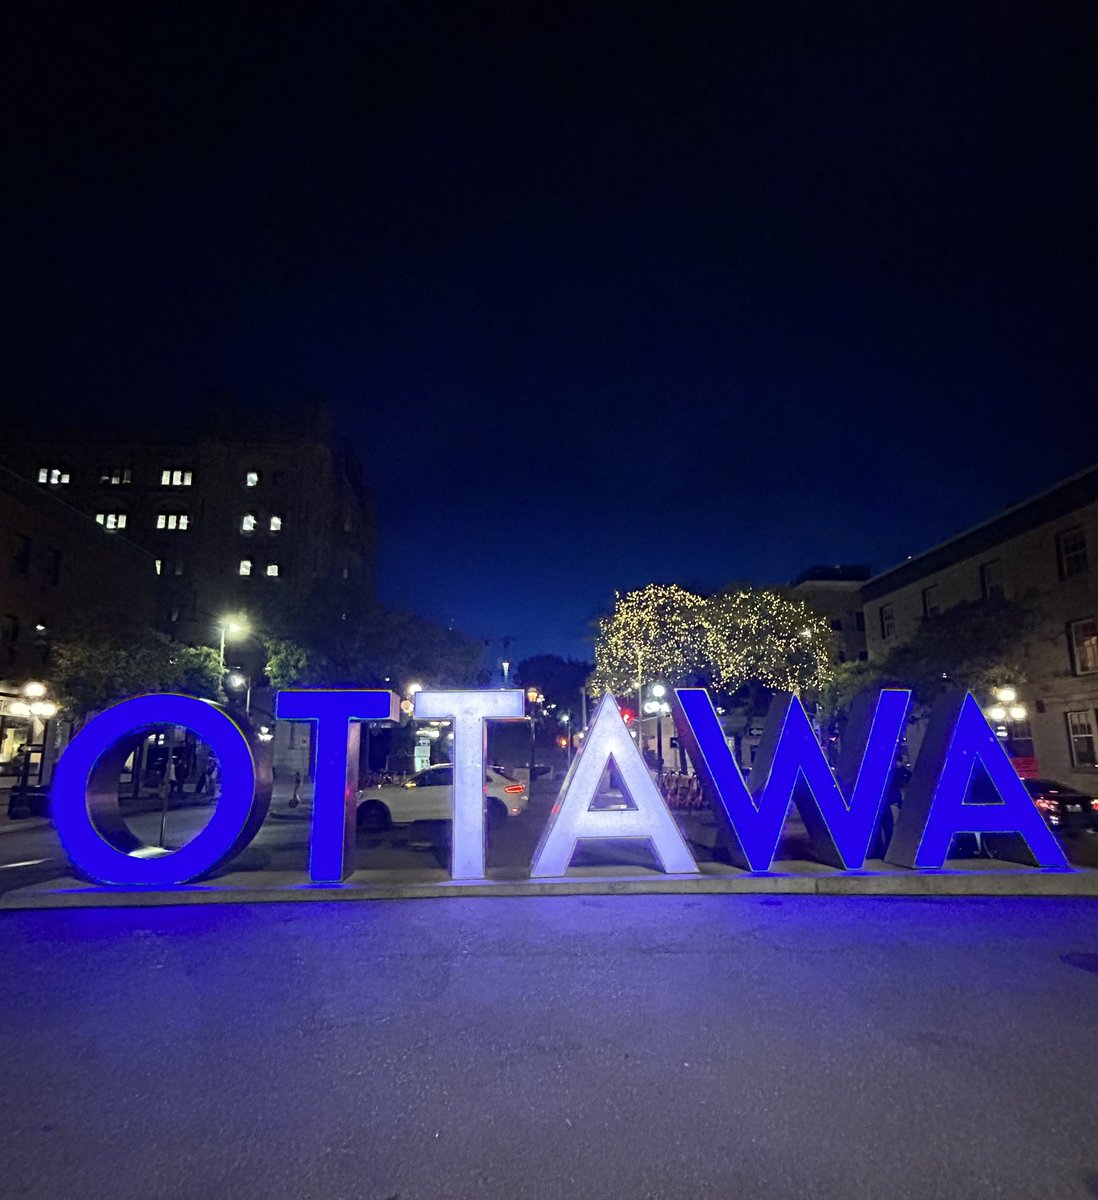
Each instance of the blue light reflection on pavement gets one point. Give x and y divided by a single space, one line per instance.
675 1046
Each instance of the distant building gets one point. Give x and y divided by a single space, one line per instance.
235 521
835 593
1048 544
57 562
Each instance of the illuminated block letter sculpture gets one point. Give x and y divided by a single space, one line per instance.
790 765
572 819
85 805
337 714
470 712
958 743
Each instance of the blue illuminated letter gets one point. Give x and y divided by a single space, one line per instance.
85 794
791 766
572 819
958 742
335 796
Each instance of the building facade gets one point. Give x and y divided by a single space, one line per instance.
235 524
836 593
57 562
1047 548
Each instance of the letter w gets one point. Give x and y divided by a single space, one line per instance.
791 766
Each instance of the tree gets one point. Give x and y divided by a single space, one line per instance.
656 632
92 668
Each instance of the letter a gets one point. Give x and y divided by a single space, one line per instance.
608 741
959 742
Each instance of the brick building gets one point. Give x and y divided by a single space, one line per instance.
1048 546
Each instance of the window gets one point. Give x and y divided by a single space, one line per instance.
1071 552
251 478
245 567
1020 739
52 475
991 578
1081 737
1084 646
837 624
159 564
172 521
52 570
272 570
173 478
859 621
111 520
247 525
276 524
20 562
346 573
173 615
9 636
930 600
116 476
888 621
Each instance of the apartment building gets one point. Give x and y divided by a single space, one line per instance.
1047 545
835 592
235 521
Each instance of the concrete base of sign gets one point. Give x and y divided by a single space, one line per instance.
989 878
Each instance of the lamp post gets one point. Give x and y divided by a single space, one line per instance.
238 681
566 721
231 627
532 697
658 707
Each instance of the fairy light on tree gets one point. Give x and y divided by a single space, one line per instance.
656 632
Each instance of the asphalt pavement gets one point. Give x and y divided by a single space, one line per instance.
553 1047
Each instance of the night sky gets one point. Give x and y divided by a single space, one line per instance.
601 294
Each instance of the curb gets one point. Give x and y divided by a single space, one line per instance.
1026 882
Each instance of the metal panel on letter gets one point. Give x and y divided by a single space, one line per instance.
337 713
84 795
958 744
791 766
470 712
573 820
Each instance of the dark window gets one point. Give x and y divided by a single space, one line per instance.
888 621
1084 646
837 624
930 600
115 476
859 621
20 562
9 636
991 578
1081 738
52 570
1071 552
863 656
1020 740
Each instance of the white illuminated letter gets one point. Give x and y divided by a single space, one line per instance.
469 711
572 818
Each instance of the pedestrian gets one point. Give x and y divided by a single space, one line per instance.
295 799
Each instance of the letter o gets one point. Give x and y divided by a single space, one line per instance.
86 810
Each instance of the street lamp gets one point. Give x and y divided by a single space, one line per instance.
533 695
659 708
566 721
238 681
231 627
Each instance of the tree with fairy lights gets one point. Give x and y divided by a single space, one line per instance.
657 632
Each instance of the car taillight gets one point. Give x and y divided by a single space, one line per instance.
514 789
1094 805
1047 805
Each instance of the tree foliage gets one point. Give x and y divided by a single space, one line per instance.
735 639
92 668
558 679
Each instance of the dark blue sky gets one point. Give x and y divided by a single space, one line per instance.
601 294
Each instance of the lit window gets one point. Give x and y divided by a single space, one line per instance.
248 524
172 521
272 570
172 478
159 565
276 524
111 520
346 573
245 567
116 476
1084 646
1071 551
52 475
888 621
1081 736
251 479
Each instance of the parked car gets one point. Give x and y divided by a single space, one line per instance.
426 796
1063 808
